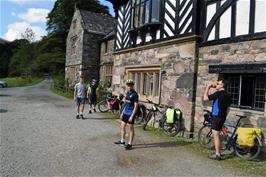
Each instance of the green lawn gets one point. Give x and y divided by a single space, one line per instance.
21 81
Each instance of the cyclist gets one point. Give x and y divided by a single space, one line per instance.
128 114
221 101
79 97
91 95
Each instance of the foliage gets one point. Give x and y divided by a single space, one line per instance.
21 81
7 50
25 57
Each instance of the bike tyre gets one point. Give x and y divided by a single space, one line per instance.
205 137
146 120
171 129
103 106
256 150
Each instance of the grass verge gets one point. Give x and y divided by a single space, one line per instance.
68 95
21 81
251 168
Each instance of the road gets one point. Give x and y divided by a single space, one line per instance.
41 137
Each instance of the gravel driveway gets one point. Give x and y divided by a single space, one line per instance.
41 137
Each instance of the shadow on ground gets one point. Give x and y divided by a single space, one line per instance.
160 145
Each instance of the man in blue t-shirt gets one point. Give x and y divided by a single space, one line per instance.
128 114
221 101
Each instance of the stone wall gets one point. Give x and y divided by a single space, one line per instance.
233 53
106 57
74 61
91 55
177 84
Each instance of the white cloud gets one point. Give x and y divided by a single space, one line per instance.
16 29
34 15
13 13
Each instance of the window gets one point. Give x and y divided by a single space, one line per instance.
105 47
145 11
247 91
73 41
107 72
147 82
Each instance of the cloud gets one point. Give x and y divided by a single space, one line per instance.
34 15
16 29
13 13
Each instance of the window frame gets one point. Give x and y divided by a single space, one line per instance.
107 76
141 21
239 93
142 71
73 42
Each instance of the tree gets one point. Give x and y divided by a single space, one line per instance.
59 19
29 35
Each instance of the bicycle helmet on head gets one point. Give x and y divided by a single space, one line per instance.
130 82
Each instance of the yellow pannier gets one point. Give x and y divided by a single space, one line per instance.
246 136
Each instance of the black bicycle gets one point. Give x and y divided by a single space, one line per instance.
229 139
157 113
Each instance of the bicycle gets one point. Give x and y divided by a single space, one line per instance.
170 129
229 139
111 103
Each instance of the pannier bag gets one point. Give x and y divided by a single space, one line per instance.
246 136
172 115
114 104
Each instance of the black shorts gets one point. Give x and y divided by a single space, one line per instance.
93 99
125 119
217 123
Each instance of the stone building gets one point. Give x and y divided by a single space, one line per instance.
83 44
173 48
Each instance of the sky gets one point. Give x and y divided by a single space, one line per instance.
18 15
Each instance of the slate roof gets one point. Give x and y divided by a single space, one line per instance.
97 23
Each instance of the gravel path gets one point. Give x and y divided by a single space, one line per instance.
41 137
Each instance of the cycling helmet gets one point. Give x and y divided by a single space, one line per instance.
130 81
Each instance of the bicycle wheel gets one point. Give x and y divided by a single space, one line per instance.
103 106
170 129
146 120
205 137
248 153
139 117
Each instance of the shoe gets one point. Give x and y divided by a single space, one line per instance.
215 157
77 116
121 143
81 116
94 110
90 112
128 147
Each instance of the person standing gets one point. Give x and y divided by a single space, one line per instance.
92 95
128 115
80 96
221 101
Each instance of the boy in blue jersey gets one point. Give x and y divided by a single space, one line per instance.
128 115
221 101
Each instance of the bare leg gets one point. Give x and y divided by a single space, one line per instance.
131 133
82 108
217 141
78 109
123 131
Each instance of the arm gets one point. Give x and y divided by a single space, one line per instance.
135 110
75 93
206 93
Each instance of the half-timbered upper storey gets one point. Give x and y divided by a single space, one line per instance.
142 22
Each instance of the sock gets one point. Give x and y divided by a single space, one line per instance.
81 113
122 140
218 154
77 113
